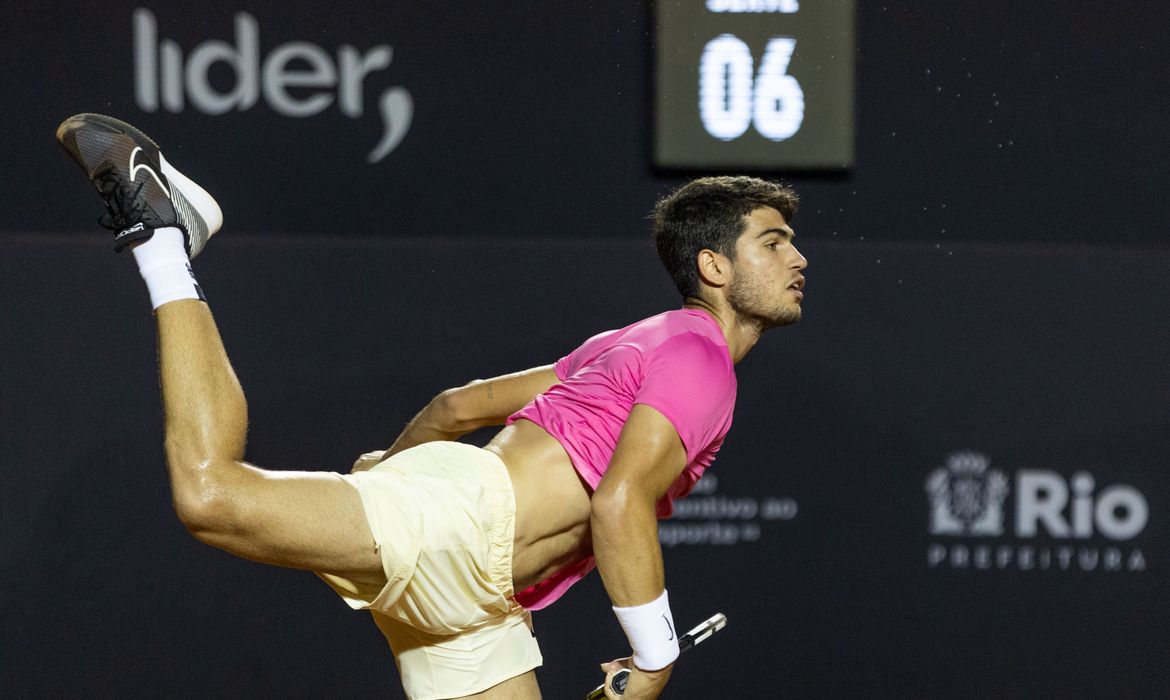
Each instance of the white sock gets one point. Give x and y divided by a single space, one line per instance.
162 262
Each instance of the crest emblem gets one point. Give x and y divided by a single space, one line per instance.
966 498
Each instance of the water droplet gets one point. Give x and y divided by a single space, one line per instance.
942 230
1011 143
950 252
937 246
899 282
893 133
861 238
938 88
995 103
927 70
878 261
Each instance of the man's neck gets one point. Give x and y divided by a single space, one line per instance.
741 335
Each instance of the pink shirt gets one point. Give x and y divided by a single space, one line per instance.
678 364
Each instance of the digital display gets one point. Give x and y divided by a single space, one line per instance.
754 84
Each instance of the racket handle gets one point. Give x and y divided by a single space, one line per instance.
620 679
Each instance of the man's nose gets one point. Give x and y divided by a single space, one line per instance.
800 262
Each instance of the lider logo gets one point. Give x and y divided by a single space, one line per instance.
1056 519
164 77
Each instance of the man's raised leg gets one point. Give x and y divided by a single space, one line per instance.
305 520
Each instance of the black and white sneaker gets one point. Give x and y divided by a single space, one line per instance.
142 191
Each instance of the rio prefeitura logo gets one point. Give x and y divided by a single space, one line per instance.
1057 524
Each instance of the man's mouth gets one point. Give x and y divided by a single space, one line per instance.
797 286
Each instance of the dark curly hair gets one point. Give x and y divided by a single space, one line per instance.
710 213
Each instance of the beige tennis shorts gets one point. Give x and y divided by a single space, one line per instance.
443 516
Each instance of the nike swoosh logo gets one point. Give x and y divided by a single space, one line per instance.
669 629
143 166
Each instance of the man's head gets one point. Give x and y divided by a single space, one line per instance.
711 213
726 240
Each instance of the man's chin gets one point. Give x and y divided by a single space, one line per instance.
787 317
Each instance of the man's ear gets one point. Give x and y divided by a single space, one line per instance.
714 268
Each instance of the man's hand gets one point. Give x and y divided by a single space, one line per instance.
643 685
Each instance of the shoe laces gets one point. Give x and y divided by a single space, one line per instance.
124 207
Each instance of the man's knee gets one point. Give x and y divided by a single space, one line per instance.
208 497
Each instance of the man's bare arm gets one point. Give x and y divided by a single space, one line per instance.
478 404
648 458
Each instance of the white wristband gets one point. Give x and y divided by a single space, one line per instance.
650 629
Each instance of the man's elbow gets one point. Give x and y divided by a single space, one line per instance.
449 411
612 506
460 409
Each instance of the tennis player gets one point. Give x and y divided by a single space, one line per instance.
451 546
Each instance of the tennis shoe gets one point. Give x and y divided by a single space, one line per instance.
141 190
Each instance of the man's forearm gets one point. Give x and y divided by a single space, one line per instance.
625 545
629 558
477 404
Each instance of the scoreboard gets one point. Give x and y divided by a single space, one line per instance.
754 84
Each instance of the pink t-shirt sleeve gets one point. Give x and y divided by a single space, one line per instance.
564 367
690 380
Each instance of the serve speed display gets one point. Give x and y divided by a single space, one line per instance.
754 84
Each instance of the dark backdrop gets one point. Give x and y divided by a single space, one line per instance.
993 287
1004 121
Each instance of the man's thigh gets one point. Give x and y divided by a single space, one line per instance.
302 520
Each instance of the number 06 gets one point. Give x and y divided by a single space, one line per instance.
729 102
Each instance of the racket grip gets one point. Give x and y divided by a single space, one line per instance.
620 679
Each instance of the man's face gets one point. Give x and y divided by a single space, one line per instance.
767 284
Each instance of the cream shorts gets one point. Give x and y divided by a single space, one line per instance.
443 516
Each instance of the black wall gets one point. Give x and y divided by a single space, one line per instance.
1037 121
506 228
